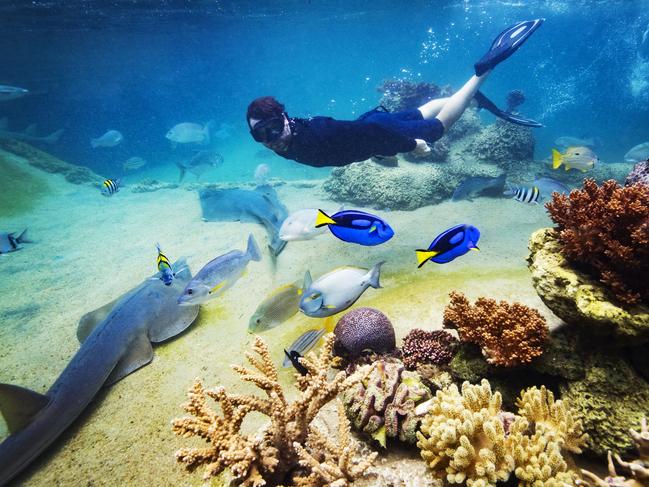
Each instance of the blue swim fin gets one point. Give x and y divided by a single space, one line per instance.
487 104
507 42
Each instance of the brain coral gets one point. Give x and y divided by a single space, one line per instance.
606 229
362 329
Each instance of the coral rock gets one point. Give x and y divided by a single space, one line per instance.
401 95
605 229
427 347
383 403
639 174
508 334
363 329
579 299
504 144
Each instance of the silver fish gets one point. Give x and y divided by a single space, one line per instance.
133 163
278 307
303 344
189 133
11 92
10 243
582 158
109 139
638 153
199 163
219 274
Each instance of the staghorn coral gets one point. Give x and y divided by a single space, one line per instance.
638 468
463 438
363 329
508 334
427 347
383 404
270 457
605 228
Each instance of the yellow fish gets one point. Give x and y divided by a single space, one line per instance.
579 157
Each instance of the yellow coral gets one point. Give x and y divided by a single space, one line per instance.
463 436
553 419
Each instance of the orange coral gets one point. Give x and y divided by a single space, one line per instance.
508 334
606 228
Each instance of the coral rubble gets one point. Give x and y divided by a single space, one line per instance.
383 404
427 347
639 174
288 448
508 334
363 329
148 185
605 229
579 299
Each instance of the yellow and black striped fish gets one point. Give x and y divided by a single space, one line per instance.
164 266
110 187
527 195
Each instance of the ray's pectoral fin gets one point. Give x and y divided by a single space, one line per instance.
138 354
172 324
89 321
19 405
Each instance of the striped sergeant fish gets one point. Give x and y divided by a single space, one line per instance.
164 266
110 187
302 345
527 195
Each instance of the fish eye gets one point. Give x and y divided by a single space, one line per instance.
258 321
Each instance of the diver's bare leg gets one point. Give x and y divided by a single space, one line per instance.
454 107
433 107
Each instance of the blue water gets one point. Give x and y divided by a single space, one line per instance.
141 69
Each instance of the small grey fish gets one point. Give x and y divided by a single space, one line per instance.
199 163
638 153
133 163
10 243
547 186
479 185
303 344
109 139
278 307
219 274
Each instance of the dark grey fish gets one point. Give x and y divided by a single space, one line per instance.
303 344
10 243
260 205
479 185
199 163
11 92
115 341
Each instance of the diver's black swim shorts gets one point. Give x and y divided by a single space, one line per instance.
408 122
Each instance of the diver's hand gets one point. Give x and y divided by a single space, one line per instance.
422 149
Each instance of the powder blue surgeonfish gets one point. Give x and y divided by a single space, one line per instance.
356 227
450 244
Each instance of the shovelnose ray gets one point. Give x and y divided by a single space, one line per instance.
115 341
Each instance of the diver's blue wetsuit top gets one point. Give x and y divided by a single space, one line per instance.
323 141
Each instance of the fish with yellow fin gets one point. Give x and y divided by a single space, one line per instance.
450 244
306 341
279 306
580 157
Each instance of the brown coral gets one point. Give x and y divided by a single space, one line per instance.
606 229
427 347
508 334
271 456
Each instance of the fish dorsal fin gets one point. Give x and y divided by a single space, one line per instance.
138 354
89 321
19 405
308 280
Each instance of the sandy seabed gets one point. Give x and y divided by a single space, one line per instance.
90 249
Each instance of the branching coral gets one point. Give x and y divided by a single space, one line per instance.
271 456
638 469
427 347
606 229
508 334
383 403
463 436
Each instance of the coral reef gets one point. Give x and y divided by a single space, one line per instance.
508 334
290 446
148 185
48 163
467 437
639 174
398 95
363 329
21 187
609 400
383 404
579 299
514 99
462 437
606 229
638 468
427 347
504 144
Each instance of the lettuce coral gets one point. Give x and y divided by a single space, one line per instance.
508 334
606 229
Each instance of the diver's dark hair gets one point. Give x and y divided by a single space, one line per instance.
264 107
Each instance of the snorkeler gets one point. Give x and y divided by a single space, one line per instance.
323 141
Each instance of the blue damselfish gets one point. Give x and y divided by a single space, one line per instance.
450 244
356 227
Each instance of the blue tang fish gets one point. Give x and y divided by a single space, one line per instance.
356 227
450 244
